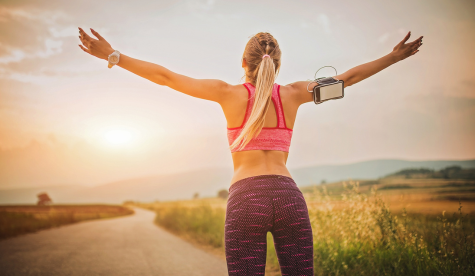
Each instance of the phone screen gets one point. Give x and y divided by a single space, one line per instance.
331 91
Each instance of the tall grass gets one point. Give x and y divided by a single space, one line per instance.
358 235
202 223
363 237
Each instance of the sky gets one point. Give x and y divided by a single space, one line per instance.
65 118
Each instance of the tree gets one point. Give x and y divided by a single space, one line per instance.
223 194
196 195
44 199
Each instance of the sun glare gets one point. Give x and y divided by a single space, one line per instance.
118 137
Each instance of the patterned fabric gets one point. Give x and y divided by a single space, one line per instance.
260 204
270 138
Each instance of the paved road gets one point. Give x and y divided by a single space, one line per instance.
130 245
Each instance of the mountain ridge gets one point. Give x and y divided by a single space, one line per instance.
207 182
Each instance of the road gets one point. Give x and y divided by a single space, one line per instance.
130 245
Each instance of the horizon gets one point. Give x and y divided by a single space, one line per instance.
292 170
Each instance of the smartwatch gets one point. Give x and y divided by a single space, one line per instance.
113 58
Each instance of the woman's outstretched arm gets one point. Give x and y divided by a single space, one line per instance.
402 51
208 89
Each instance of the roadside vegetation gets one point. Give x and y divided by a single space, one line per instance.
21 219
358 230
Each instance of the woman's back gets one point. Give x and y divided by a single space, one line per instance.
249 163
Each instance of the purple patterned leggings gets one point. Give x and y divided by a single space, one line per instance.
265 203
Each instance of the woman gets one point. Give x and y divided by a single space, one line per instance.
260 117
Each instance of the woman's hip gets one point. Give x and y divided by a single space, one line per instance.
263 186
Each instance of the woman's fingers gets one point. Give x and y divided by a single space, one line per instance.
85 38
85 35
418 41
83 41
86 41
405 39
85 49
96 34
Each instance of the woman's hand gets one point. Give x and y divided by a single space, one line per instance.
97 47
402 50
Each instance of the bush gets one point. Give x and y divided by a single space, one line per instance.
203 223
223 194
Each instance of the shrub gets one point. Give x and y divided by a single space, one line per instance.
203 223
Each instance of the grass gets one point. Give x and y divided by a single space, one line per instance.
21 219
203 223
355 233
365 238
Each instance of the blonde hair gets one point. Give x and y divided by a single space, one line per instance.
261 71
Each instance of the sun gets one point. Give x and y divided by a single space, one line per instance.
118 137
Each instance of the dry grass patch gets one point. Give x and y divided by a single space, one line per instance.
21 219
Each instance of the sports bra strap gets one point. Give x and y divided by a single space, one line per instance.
279 107
275 99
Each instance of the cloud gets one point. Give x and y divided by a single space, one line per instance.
200 5
400 33
14 94
463 89
27 33
15 55
444 106
52 47
324 22
64 32
303 24
383 38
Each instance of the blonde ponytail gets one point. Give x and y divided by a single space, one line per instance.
262 99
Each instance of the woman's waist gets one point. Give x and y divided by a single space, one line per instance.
251 170
259 162
259 159
266 185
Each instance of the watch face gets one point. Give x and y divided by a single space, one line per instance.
114 59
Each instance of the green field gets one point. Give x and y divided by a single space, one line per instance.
21 219
397 225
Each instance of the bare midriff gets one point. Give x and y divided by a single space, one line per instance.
259 162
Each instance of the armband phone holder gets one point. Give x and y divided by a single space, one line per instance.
327 88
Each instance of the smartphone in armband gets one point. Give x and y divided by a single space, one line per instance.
327 89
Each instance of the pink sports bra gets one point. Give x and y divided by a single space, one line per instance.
270 138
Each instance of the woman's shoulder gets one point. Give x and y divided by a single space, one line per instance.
296 92
288 90
292 87
236 92
242 89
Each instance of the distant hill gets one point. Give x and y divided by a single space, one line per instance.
367 170
160 187
208 182
29 195
452 172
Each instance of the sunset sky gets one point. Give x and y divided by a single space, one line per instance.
65 118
